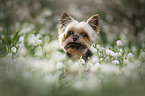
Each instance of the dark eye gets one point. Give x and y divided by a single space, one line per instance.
70 33
84 34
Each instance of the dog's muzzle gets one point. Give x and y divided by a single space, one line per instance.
73 45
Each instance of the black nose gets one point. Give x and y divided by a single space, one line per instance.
75 38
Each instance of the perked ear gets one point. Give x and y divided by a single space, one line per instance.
65 19
94 22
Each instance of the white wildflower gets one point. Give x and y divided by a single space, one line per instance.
115 62
108 52
121 50
31 39
21 39
119 43
101 49
13 49
98 46
99 54
38 36
119 54
82 61
114 54
39 42
126 61
101 59
93 49
130 55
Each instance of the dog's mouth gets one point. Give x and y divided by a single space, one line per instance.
76 45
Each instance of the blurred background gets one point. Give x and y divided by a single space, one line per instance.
119 19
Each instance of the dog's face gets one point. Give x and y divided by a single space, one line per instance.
76 37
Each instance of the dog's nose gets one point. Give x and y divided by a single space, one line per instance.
75 38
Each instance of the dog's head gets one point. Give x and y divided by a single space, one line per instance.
76 37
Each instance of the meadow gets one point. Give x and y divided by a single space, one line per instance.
33 64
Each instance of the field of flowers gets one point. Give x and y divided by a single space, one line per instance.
33 64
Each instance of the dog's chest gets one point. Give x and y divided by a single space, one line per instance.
75 53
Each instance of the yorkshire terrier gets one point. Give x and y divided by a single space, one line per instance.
75 38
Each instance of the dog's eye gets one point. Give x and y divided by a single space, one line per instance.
70 33
84 34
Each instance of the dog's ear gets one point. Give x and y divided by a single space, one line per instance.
65 19
93 21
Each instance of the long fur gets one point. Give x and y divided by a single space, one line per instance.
90 27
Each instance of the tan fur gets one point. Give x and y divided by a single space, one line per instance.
76 53
69 24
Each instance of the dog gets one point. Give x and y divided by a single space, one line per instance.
75 38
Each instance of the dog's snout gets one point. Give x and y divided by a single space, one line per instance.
75 37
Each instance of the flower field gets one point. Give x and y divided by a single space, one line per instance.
33 64
47 71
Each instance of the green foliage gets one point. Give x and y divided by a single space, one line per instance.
8 40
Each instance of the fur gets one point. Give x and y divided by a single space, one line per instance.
84 33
